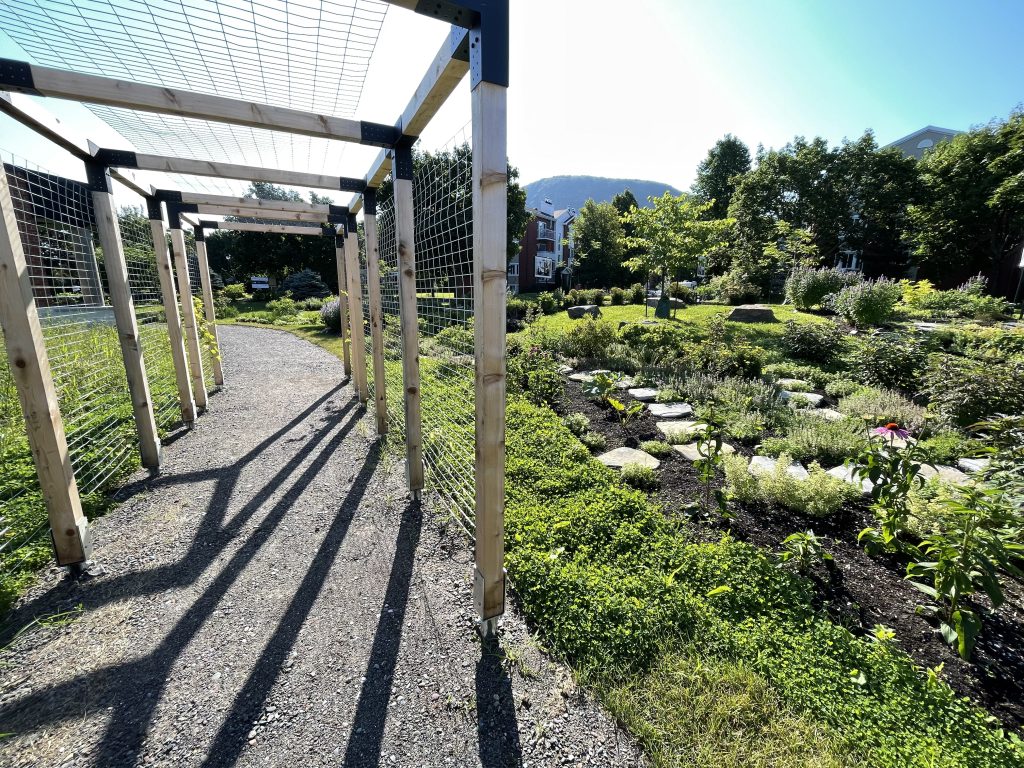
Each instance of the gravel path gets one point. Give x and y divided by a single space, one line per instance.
274 598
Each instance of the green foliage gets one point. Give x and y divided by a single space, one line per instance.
601 387
594 296
805 550
235 292
532 373
819 495
282 310
841 387
871 302
967 390
808 288
815 342
637 294
588 338
818 378
947 447
717 174
599 241
893 360
305 284
548 303
683 293
595 441
880 406
618 297
330 315
710 457
640 477
578 423
734 287
811 437
657 448
718 355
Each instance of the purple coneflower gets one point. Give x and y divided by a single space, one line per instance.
891 430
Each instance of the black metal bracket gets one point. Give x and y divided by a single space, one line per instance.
488 45
349 184
98 177
117 158
208 224
167 195
339 240
175 209
353 226
370 201
200 234
378 134
17 76
402 161
153 208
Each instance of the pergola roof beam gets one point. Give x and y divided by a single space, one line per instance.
284 229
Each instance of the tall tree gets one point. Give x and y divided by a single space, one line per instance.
624 202
600 245
717 174
971 213
673 235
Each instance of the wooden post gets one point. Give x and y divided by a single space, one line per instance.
380 394
344 331
170 300
211 314
355 310
405 237
188 313
490 170
120 294
30 368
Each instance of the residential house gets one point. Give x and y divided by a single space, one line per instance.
918 142
545 246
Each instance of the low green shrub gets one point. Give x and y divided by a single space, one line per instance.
683 293
281 310
813 438
947 447
665 339
516 310
595 441
880 406
548 303
819 495
589 337
841 387
892 360
786 370
814 342
871 302
807 288
330 315
305 284
637 294
532 373
595 296
312 304
657 448
640 477
968 391
455 338
617 297
235 292
734 287
577 423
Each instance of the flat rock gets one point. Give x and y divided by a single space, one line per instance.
670 410
586 376
620 457
794 384
583 310
829 414
689 451
643 394
845 473
972 465
672 303
563 369
752 313
624 383
945 473
679 429
812 398
766 465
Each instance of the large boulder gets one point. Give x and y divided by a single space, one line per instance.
583 310
752 313
672 303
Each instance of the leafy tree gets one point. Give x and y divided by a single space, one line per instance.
673 235
305 284
717 174
971 212
600 245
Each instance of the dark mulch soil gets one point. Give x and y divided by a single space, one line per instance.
860 591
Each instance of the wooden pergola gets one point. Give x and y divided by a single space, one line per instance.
477 43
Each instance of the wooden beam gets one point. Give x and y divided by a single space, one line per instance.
217 170
355 314
30 369
93 89
169 295
405 237
345 330
490 209
244 212
188 313
243 226
290 206
120 293
208 308
380 393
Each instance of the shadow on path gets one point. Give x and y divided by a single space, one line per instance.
497 727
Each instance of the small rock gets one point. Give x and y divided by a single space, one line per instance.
670 410
766 464
679 429
944 473
582 310
844 472
811 397
829 414
689 451
620 457
972 465
643 394
752 313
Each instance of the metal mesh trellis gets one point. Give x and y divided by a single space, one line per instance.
206 344
144 281
391 324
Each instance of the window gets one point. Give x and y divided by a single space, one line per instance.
513 269
925 144
544 269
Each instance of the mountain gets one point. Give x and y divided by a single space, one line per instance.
574 191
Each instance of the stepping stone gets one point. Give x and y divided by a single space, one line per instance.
586 376
620 457
670 410
972 465
689 451
794 384
845 473
752 313
813 399
564 369
643 394
679 430
829 414
624 383
583 309
945 473
766 465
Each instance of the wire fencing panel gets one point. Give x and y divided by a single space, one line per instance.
56 226
206 342
144 281
443 214
391 318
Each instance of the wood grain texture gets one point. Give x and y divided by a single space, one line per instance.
405 236
380 393
355 316
188 316
208 308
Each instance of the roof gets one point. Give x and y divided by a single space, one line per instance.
949 132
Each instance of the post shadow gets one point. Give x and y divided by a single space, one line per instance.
367 734
498 742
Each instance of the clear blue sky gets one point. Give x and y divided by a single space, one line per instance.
643 89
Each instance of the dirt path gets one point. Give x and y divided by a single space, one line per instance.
275 599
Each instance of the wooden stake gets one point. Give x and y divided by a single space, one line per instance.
355 315
405 236
211 314
30 368
188 314
344 331
380 393
170 300
120 294
490 168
